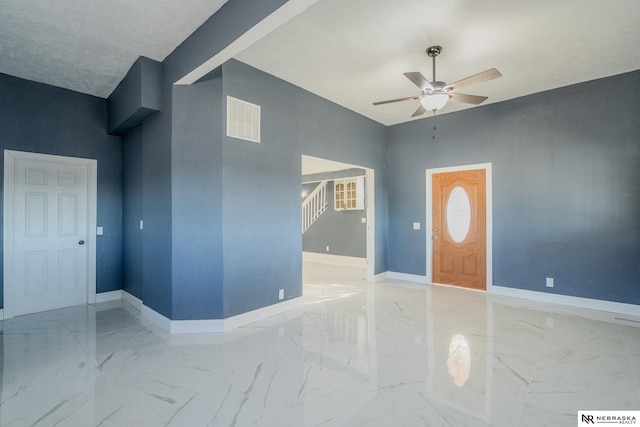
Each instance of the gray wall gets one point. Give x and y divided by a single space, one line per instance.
566 169
343 231
39 118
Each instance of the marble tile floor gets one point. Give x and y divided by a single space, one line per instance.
359 354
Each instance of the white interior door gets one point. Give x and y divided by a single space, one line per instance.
50 209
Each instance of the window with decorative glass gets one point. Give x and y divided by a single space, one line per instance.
349 194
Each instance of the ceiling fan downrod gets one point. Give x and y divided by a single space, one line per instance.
434 51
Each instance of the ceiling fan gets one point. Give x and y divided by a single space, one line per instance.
436 94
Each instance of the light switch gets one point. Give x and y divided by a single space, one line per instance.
99 231
416 226
363 220
141 225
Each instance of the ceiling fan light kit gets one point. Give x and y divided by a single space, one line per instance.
435 94
434 101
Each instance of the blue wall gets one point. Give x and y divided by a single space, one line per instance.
546 206
159 291
182 149
261 195
176 145
218 211
343 231
137 97
40 118
132 212
196 187
566 169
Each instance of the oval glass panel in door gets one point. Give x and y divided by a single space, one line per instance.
458 214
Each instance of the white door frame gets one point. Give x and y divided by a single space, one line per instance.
370 196
370 210
10 158
489 213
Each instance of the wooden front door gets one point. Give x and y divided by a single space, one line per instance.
459 229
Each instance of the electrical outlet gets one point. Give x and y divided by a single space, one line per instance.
549 282
281 294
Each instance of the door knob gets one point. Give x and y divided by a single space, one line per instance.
81 242
434 237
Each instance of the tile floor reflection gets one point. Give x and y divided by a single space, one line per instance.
359 354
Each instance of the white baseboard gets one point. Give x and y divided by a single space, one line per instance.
219 325
262 313
380 277
197 326
108 296
565 300
571 301
155 317
349 261
406 277
134 301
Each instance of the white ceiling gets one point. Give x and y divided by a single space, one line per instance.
89 45
352 52
311 165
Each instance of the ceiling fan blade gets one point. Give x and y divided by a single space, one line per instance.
420 111
396 100
482 77
419 80
467 99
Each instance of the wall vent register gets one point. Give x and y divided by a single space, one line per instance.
243 119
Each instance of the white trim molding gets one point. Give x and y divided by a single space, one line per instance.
567 300
544 297
219 325
381 277
197 326
243 319
369 260
392 275
130 299
155 317
91 165
347 261
108 296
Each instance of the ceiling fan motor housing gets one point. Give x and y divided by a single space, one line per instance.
434 51
438 86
